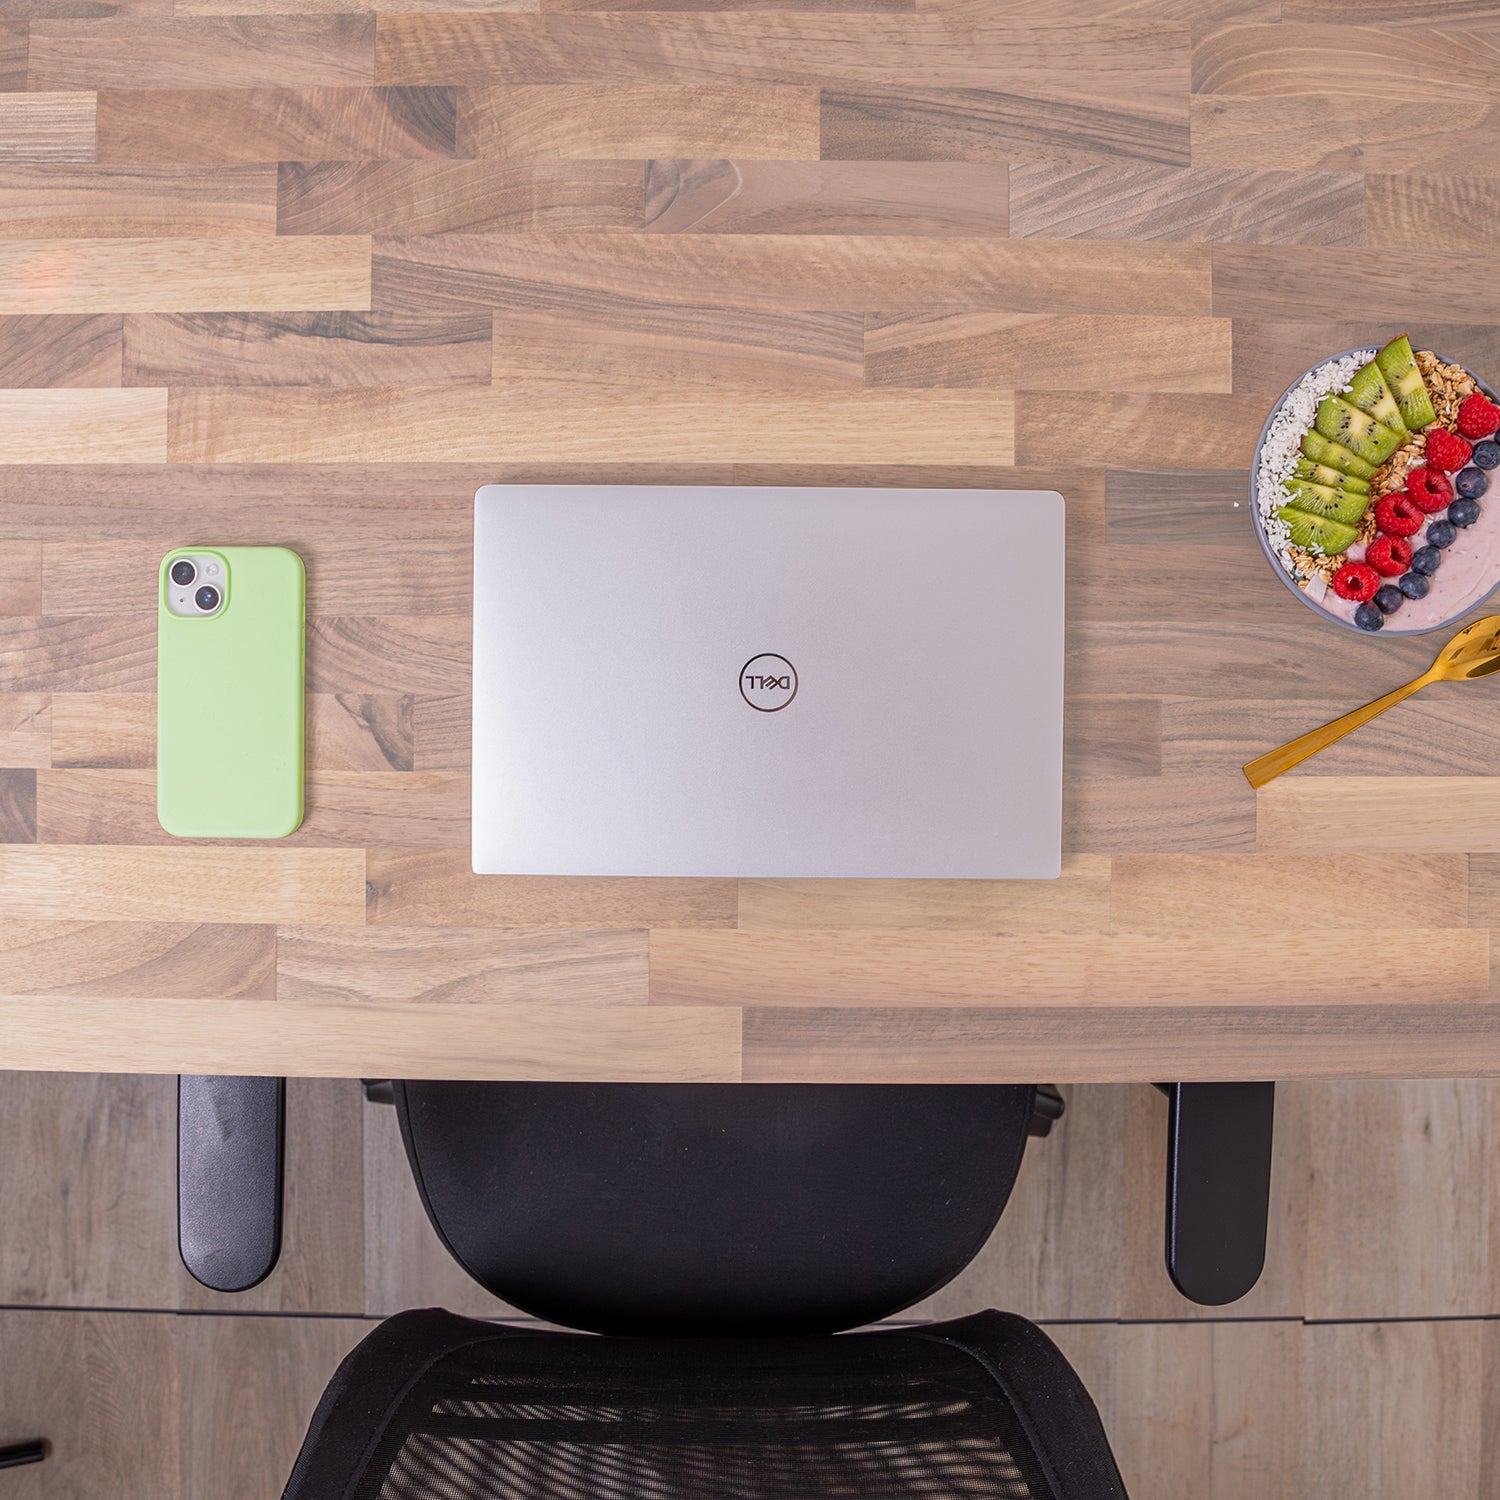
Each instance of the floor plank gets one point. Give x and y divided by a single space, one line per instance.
52 201
207 274
46 127
186 125
83 426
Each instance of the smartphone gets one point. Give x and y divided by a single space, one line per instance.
229 694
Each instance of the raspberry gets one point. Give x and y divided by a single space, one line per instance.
1356 581
1398 515
1390 555
1429 488
1446 451
1478 417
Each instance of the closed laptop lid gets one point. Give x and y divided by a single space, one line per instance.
701 681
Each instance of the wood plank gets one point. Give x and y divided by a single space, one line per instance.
1287 59
427 577
1258 283
257 1432
13 56
438 888
345 732
53 201
519 423
1433 213
118 1420
604 1043
1222 967
1433 736
738 6
1389 12
137 960
1421 1378
900 123
827 197
63 350
1038 351
1077 902
25 729
431 197
1014 1044
340 348
1105 737
831 272
1448 814
1400 1231
629 340
185 274
46 127
21 579
195 884
1134 429
185 125
1205 205
72 654
387 653
460 966
344 809
1320 132
294 51
83 426
1265 891
18 806
1203 506
1158 815
442 732
578 120
1271 353
1125 61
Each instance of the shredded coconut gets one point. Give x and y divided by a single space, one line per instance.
1283 447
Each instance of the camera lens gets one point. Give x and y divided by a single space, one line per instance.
207 598
183 572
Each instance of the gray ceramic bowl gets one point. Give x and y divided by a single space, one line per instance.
1265 546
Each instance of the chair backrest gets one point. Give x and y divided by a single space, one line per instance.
713 1208
434 1407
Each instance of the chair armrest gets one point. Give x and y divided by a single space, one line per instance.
1218 1187
230 1151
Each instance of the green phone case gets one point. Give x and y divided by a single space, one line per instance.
229 701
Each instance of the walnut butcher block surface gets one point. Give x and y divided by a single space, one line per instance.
312 278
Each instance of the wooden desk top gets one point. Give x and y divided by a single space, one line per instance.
930 244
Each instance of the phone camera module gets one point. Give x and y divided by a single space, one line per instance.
183 572
207 599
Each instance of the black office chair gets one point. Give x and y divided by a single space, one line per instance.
436 1407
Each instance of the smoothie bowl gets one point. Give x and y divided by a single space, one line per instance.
1372 489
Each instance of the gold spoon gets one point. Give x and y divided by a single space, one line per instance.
1473 652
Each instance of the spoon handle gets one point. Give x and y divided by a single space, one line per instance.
1267 767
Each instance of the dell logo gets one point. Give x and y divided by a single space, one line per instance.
768 682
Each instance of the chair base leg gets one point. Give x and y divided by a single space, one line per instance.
16 1454
1047 1108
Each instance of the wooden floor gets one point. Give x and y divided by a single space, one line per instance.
1367 1363
309 273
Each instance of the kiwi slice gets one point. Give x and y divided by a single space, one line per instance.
1319 500
1399 366
1317 533
1321 451
1357 430
1333 479
1369 392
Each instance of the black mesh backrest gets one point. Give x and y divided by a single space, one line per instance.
433 1407
713 1208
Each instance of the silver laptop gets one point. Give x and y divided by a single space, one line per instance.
767 682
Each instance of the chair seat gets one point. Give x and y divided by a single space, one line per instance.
435 1407
713 1208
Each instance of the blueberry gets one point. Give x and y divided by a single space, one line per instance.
1367 617
1414 585
1441 533
1426 560
1471 483
1389 599
1464 511
1487 454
